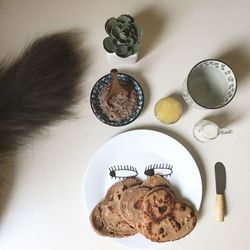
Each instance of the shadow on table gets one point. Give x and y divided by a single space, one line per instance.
238 58
225 119
153 21
192 151
7 177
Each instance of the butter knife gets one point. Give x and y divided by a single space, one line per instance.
220 181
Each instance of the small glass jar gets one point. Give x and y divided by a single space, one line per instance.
205 131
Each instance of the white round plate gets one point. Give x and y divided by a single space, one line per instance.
133 153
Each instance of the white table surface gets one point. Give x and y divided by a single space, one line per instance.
41 196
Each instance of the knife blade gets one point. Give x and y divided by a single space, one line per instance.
220 182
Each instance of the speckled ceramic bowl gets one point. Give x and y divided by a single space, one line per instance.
95 104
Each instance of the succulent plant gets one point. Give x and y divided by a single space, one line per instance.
124 36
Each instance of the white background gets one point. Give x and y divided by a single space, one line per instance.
41 198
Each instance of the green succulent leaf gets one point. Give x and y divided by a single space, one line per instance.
135 48
125 19
129 53
125 28
130 41
120 42
122 50
124 36
115 32
139 31
110 23
108 44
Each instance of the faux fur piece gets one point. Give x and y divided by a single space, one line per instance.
39 87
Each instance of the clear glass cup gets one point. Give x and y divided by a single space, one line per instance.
205 131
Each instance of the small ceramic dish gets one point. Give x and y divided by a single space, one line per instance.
95 103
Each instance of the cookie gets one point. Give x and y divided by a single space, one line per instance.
111 215
97 223
155 181
150 208
164 218
130 204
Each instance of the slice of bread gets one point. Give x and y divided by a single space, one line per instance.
106 219
97 222
164 218
130 204
150 208
155 181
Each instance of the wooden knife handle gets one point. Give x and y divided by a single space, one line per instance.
220 209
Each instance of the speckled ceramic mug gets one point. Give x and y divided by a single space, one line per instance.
211 84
